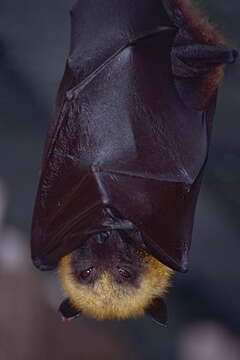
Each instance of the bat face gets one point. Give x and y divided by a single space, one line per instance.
107 252
108 277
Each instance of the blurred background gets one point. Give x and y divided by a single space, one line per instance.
204 311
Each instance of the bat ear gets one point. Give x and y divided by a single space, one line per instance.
157 310
67 311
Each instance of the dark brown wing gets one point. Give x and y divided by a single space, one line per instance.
125 152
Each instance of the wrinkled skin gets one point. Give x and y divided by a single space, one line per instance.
129 142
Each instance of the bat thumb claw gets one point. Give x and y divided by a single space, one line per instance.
235 56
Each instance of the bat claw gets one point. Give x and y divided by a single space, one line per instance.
39 263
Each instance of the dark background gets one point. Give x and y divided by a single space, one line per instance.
204 311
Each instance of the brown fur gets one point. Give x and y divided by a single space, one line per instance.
196 23
106 299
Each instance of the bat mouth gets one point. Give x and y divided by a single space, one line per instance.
107 299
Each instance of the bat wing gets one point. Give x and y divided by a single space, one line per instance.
125 151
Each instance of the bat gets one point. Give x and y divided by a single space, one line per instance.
125 154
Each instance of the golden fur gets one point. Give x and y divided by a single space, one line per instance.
106 299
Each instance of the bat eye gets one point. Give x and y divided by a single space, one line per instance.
86 273
124 273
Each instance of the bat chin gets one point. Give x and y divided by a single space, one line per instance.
107 299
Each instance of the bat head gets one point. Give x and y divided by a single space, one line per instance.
109 277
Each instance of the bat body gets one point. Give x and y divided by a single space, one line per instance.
124 157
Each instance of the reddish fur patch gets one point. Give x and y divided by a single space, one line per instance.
209 84
196 23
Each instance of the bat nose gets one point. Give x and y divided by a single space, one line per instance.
102 237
